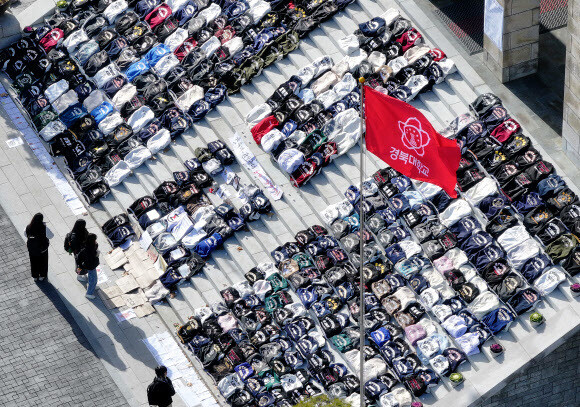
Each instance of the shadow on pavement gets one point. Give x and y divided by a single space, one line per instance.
76 319
10 29
125 335
543 92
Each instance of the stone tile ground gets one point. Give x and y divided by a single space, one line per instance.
46 359
552 381
21 5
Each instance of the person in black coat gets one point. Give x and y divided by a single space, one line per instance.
74 242
37 243
159 392
88 260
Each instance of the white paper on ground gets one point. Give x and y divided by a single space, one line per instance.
145 240
14 142
101 276
232 179
125 315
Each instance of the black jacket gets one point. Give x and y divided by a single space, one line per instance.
160 391
88 259
76 242
37 245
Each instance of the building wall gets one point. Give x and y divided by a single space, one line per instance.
518 56
553 381
571 120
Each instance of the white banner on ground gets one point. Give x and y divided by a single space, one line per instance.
32 139
249 160
186 381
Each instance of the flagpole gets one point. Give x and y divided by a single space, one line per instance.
361 318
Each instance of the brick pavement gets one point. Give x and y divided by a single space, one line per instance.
46 358
552 381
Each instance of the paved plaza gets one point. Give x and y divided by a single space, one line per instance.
46 359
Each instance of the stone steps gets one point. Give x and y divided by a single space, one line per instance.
299 208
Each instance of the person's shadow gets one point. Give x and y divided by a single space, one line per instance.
76 319
67 311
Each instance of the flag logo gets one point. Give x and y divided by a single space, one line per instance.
413 136
402 137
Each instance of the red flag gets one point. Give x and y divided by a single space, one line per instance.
402 137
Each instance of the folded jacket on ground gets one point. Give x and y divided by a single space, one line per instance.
52 129
549 280
324 82
156 53
114 10
210 13
137 156
125 94
258 9
210 46
106 74
159 141
257 114
102 111
110 123
314 70
483 304
117 174
65 101
416 52
521 253
143 116
165 64
344 130
290 160
263 127
176 39
349 44
55 90
355 59
74 40
271 140
94 100
192 95
456 210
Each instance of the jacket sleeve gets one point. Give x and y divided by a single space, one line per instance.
150 395
171 389
81 260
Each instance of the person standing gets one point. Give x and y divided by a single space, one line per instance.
37 243
74 241
88 260
159 392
